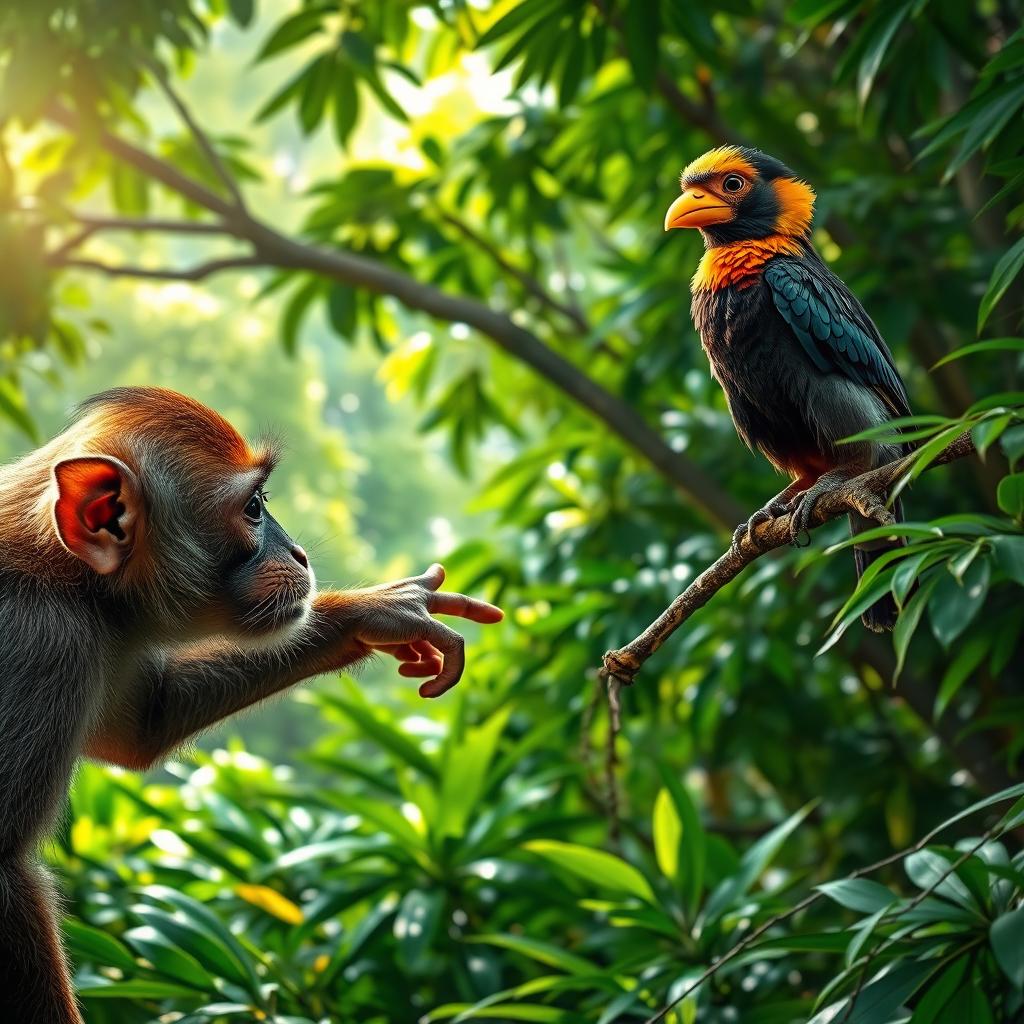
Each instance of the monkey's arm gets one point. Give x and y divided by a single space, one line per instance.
175 696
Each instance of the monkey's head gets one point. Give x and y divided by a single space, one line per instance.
164 503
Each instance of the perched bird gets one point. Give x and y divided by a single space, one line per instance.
801 363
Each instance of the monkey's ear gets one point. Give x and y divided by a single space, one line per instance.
97 510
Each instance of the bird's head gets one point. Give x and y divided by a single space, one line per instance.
735 194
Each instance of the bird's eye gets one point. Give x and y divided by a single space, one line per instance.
254 507
733 183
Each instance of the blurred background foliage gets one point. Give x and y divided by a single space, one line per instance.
448 290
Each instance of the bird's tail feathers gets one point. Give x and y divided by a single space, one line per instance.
882 615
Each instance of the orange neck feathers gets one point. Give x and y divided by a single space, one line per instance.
740 263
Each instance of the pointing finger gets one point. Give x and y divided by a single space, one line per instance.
464 607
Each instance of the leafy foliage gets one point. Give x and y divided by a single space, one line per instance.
516 158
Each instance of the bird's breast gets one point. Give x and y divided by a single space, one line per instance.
739 264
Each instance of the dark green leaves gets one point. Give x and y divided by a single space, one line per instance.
1006 271
1007 938
1011 495
642 23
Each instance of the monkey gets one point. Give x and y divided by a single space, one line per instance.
147 593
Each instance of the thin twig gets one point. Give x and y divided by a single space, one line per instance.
865 494
611 760
202 140
810 900
196 273
529 283
871 955
90 225
586 723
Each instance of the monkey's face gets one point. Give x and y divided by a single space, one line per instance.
268 583
168 507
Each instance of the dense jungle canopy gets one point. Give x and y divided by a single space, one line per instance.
422 242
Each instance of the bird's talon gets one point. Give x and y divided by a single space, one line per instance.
745 531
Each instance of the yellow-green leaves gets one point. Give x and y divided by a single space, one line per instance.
604 871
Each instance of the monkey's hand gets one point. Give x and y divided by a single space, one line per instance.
397 619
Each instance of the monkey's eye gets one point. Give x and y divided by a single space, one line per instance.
254 507
733 183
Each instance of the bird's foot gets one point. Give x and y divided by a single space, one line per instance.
746 531
803 506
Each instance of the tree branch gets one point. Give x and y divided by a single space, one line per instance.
90 225
865 494
202 139
196 273
277 250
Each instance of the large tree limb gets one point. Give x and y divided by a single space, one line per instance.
274 249
865 494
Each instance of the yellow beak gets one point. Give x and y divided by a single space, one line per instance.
697 208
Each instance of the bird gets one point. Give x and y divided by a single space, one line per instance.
802 364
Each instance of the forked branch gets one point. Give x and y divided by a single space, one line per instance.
865 494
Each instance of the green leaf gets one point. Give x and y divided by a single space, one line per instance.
295 312
643 26
1007 269
205 918
752 864
989 345
341 310
886 993
285 95
519 16
168 959
465 770
98 947
416 924
954 603
14 408
1010 495
1007 938
1012 443
925 868
500 1011
692 854
601 869
860 894
135 989
345 104
372 725
998 107
242 11
316 88
542 952
1009 553
967 659
939 992
988 431
874 53
190 937
294 30
667 830
968 1006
